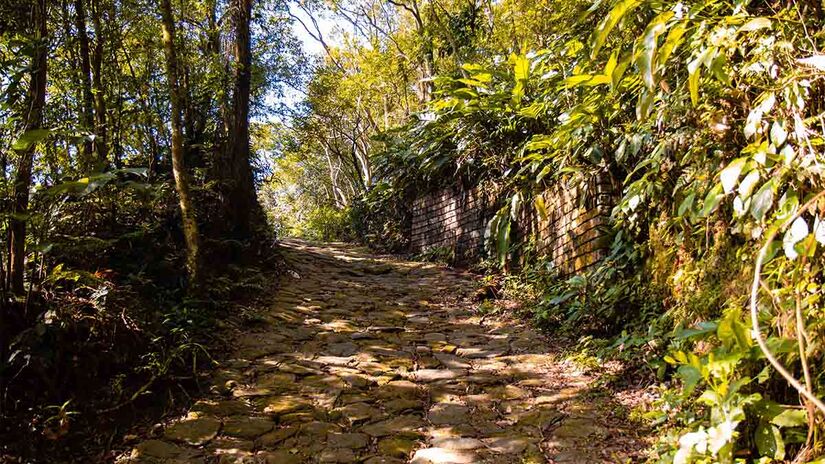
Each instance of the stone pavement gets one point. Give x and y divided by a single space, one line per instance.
367 360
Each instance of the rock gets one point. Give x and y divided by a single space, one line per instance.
435 337
356 380
401 405
221 408
401 425
298 369
276 382
247 427
458 443
231 446
541 418
533 455
195 432
337 455
318 431
276 436
507 444
443 456
342 349
398 389
385 329
322 383
348 440
296 418
481 352
356 412
448 414
280 405
279 457
338 361
398 447
432 375
384 460
577 429
451 361
156 449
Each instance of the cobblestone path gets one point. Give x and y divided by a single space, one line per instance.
367 360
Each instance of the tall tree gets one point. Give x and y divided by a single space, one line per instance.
85 70
33 121
101 130
190 225
240 202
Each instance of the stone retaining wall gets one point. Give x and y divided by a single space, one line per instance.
451 219
571 236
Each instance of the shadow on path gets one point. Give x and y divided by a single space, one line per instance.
370 360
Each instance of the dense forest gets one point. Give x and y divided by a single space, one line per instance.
153 153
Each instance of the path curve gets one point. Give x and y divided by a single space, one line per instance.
367 360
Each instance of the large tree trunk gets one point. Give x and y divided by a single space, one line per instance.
190 225
240 202
87 104
23 177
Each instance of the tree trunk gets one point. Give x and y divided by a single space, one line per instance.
190 225
240 201
87 104
101 136
23 177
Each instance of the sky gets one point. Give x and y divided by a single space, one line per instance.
331 33
311 45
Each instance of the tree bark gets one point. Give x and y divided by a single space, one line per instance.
101 135
87 104
23 177
241 203
190 225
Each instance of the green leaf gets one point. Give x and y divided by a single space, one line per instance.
747 184
515 206
732 332
755 24
690 378
645 58
719 69
794 235
712 200
587 79
694 73
672 42
30 138
730 175
778 134
611 63
610 21
702 328
521 68
644 105
617 73
686 204
769 441
503 240
762 201
791 418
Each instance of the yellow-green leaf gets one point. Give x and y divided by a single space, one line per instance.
619 10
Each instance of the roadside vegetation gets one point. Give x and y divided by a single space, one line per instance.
709 117
130 223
